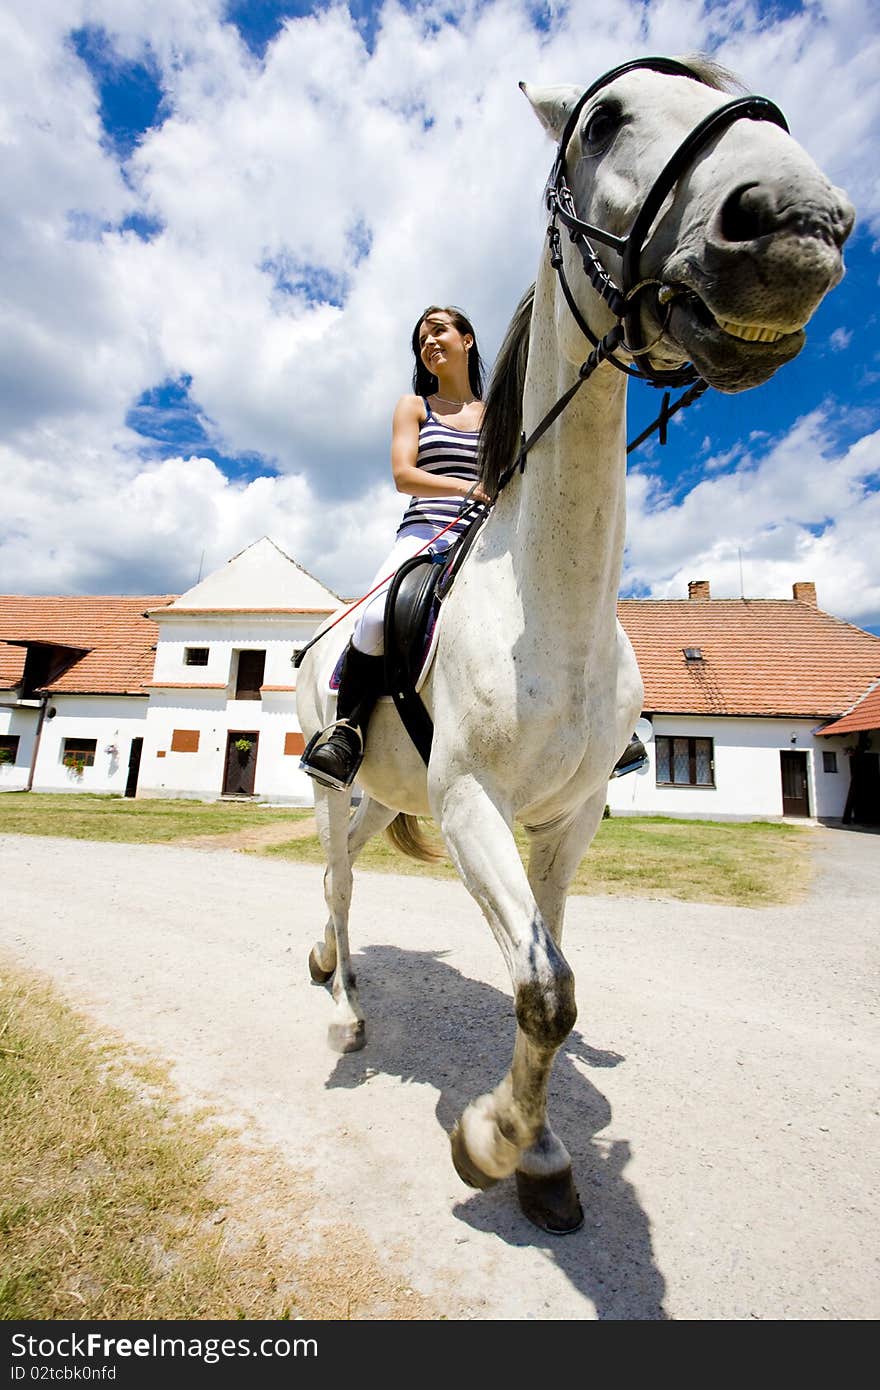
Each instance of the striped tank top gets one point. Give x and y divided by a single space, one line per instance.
448 452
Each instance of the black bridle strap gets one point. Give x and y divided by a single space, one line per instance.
666 413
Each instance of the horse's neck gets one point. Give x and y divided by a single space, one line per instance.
567 515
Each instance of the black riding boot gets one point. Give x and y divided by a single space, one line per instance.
334 755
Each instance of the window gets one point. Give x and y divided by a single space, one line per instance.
829 761
251 666
8 748
185 741
79 752
294 744
195 656
685 762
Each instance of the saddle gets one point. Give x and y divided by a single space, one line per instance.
411 612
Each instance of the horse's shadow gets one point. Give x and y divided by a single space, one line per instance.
427 1022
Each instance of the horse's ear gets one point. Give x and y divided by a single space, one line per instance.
551 105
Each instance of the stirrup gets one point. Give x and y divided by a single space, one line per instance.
636 760
318 740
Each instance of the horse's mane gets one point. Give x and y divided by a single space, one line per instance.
502 420
712 74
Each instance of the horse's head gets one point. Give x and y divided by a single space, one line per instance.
744 245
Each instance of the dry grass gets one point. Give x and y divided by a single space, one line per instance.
116 1204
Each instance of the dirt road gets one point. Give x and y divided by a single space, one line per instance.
718 1094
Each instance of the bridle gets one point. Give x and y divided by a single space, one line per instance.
622 299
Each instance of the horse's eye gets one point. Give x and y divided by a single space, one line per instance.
600 128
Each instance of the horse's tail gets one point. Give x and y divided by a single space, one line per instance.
500 432
405 834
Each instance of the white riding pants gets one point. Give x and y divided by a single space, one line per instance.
369 633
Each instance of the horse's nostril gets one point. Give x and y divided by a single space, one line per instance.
748 213
755 210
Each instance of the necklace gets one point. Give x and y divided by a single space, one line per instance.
447 401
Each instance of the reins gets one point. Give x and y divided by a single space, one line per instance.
622 299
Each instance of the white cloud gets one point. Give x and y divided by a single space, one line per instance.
802 510
840 339
408 174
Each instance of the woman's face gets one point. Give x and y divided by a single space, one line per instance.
441 344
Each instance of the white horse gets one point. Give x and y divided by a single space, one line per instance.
534 690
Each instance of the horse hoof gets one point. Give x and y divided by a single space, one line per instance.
319 975
551 1202
347 1037
464 1164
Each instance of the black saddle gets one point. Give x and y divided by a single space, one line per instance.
411 608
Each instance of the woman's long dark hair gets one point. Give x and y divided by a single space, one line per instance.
424 382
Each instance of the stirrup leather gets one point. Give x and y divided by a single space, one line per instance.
318 740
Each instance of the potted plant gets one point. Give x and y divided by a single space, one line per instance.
244 746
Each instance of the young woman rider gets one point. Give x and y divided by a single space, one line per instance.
434 439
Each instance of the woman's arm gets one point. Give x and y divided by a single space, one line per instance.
408 478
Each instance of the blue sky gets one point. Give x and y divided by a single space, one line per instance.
225 214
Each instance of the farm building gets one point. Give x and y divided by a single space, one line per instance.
742 703
753 707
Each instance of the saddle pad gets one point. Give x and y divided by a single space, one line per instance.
336 674
431 635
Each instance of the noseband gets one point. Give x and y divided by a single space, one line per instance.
622 299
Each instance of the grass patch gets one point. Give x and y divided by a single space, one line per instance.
746 864
117 1204
81 816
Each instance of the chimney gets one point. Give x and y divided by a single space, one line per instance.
805 592
698 588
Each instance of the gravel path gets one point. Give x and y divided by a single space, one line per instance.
718 1094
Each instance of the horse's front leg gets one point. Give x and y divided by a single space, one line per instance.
555 852
342 837
497 1129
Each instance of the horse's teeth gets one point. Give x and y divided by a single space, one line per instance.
749 332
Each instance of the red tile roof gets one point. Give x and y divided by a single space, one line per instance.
119 641
766 657
864 715
763 657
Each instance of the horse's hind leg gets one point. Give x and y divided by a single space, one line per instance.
342 837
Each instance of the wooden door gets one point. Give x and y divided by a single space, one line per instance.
795 790
134 766
241 762
863 802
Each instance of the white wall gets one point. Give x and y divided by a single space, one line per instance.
21 722
112 720
748 779
214 713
